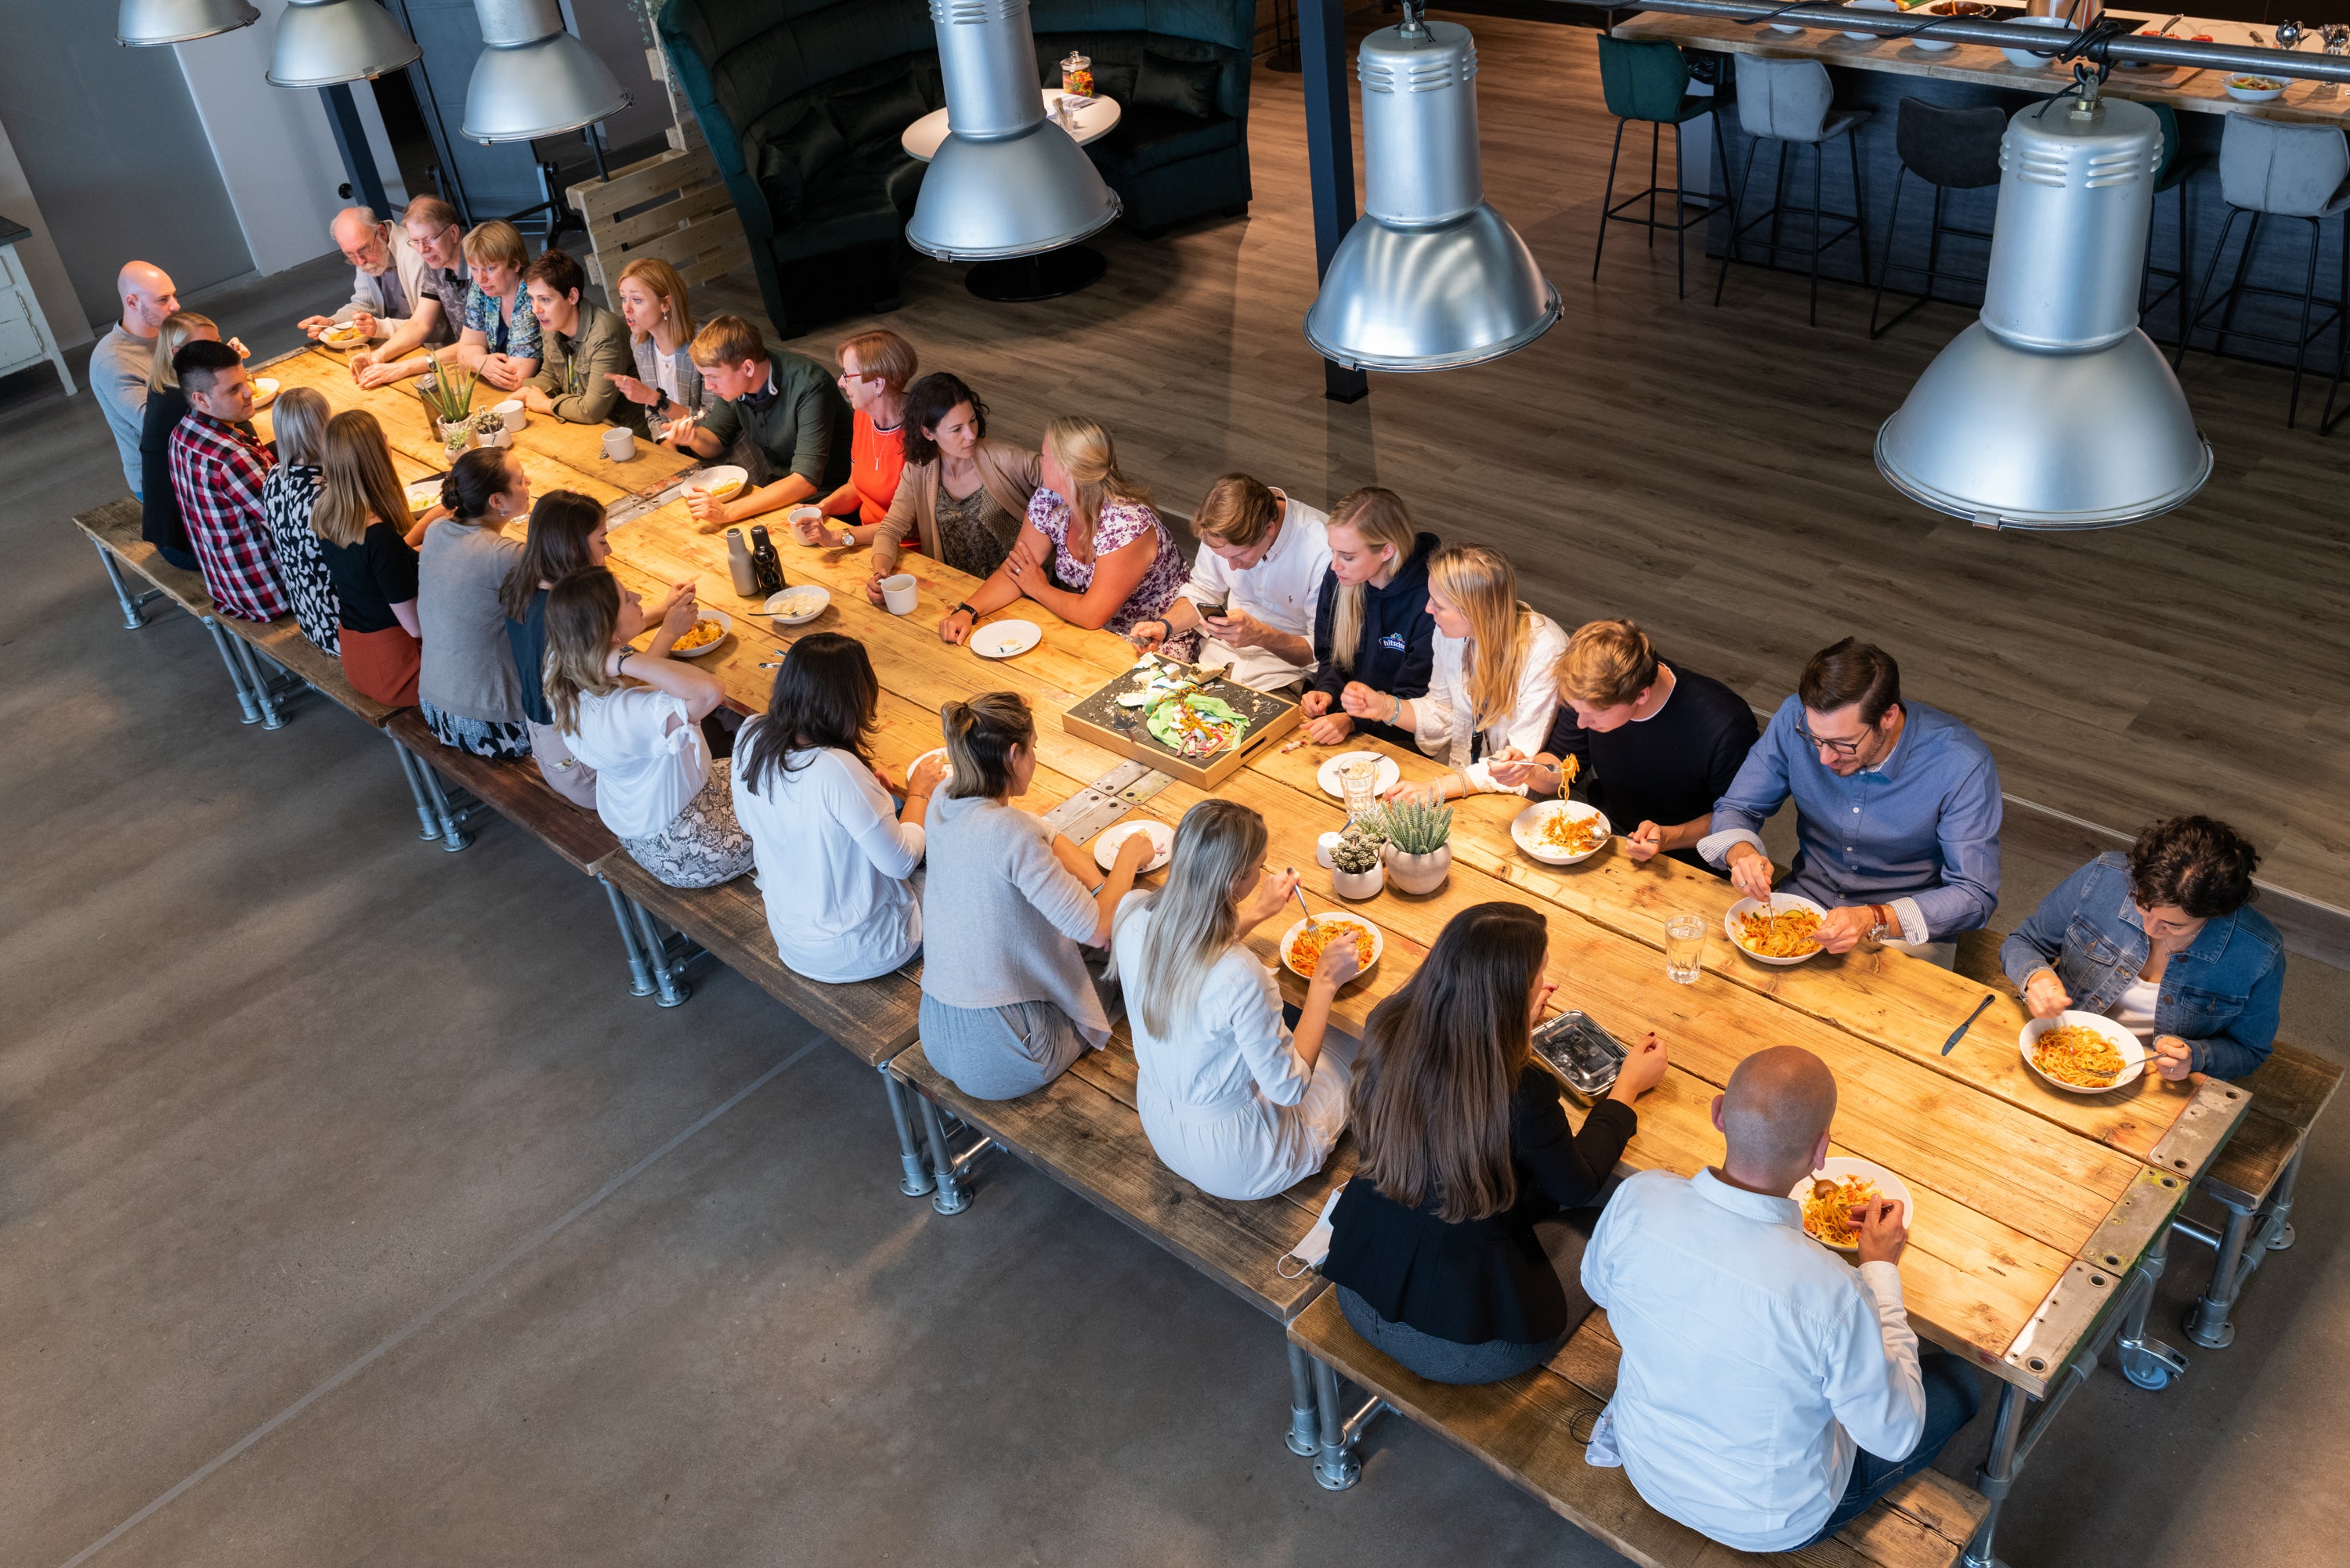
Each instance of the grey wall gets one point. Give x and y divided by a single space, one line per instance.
114 152
615 31
499 178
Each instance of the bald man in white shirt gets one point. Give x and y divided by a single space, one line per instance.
121 364
1769 1394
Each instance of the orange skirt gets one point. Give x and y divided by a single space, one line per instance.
383 664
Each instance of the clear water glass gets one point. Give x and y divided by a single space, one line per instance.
1359 781
1684 948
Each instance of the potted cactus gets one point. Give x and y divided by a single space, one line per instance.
1354 868
1420 848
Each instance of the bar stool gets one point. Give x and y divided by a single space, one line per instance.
1950 150
2270 168
2172 176
1649 80
1791 102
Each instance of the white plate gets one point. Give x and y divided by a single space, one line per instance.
1525 830
327 336
822 597
1162 842
264 391
725 628
1780 903
946 768
1837 1166
1327 773
2133 1051
716 474
423 496
1005 638
1378 943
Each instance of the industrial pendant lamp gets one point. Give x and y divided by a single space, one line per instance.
323 42
1430 277
1007 182
143 22
534 79
2054 409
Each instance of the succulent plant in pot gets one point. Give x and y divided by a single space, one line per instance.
447 394
1420 848
1354 868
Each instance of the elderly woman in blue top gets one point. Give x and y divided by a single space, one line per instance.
1897 809
2159 940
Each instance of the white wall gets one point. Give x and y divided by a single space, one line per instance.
43 266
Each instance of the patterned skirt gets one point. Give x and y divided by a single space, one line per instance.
703 845
482 737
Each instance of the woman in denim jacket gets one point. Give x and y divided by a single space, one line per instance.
2161 941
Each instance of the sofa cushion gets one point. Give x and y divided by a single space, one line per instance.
1150 136
877 113
787 161
1186 87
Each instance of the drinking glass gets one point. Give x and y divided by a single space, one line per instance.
1684 948
1359 781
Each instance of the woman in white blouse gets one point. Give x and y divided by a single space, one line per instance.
838 861
635 716
1495 684
1234 1101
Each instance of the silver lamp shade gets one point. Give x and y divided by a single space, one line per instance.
322 42
2054 409
1430 277
1007 182
140 22
534 79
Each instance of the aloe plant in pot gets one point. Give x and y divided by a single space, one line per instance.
1420 848
447 394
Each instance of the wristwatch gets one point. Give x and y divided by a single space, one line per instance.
1888 927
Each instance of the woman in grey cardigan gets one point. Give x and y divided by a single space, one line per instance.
1007 1004
660 331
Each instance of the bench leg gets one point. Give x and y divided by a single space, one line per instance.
2207 1323
915 1176
1334 1467
2276 1228
640 976
672 990
134 605
453 824
221 642
2148 1362
427 827
949 1198
270 718
1303 1436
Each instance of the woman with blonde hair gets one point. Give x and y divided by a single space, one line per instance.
1232 1101
499 335
1493 684
635 716
1371 623
160 522
1007 905
1098 528
660 333
289 495
362 521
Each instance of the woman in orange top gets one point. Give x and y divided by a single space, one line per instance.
876 369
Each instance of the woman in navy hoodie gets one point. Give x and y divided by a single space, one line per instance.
1371 624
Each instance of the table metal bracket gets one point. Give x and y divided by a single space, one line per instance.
2134 1222
2066 1318
2195 1139
635 506
1105 800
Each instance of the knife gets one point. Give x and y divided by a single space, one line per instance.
1961 1032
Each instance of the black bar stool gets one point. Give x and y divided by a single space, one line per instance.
1950 150
1791 102
1649 80
2172 176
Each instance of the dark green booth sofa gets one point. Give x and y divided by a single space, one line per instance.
803 102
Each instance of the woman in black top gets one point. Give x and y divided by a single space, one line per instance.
371 562
160 522
1371 622
1447 1248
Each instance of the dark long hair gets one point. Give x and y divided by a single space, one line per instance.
826 697
928 401
478 475
1440 1059
556 547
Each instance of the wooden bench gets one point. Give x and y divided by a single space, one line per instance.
114 528
875 1019
1532 1430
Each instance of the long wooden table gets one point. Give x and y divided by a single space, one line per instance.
2035 1210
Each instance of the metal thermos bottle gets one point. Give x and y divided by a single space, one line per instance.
738 562
766 564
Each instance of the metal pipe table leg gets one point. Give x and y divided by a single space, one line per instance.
1303 1436
220 641
270 718
915 1176
2148 1362
949 1198
427 827
1335 1469
1996 1478
672 992
2207 1322
134 605
640 979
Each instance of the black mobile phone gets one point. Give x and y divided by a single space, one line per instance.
1585 1055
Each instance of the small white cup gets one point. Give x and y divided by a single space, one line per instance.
1322 848
500 436
899 593
620 443
511 410
801 517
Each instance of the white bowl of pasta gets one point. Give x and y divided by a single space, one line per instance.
1841 1182
1782 933
1560 832
2077 1053
1301 953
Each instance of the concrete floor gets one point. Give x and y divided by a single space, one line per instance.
352 1214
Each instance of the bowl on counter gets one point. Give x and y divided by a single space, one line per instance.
2025 57
1869 5
2256 89
1953 8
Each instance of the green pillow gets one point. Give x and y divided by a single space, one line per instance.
1187 87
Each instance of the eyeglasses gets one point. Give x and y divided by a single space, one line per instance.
1840 748
861 375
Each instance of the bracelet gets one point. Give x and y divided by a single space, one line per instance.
1395 710
962 609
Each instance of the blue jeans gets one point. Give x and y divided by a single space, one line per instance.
1954 1394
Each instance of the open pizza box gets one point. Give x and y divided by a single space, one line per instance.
1221 723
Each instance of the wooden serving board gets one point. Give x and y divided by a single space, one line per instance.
1098 718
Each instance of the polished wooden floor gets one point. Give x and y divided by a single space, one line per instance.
1708 472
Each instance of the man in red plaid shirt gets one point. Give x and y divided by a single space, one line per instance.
216 471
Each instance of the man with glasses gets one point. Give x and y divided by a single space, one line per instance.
438 302
388 272
1897 809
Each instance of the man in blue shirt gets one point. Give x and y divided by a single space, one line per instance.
1897 809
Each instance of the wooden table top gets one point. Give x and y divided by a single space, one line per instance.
2013 1180
2182 87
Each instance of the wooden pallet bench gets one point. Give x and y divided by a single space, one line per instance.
130 561
1532 1429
